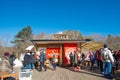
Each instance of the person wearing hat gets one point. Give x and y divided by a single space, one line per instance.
6 58
5 65
108 60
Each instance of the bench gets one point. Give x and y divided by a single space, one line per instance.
6 75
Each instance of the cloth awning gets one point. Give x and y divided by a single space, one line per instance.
30 47
92 45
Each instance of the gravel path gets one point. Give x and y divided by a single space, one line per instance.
65 74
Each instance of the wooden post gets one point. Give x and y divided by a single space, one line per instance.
80 48
61 54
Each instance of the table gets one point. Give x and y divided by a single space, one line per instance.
5 75
87 62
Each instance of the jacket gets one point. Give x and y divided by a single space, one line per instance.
111 59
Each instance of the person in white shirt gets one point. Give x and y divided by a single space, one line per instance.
108 60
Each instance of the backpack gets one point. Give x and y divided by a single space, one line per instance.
105 55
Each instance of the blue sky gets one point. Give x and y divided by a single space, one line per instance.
50 16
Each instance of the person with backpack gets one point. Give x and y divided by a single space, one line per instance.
42 60
108 60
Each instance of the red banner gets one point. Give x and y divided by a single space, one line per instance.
49 52
69 48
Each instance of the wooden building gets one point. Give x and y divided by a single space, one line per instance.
61 47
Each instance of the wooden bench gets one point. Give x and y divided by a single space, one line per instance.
47 63
6 75
87 63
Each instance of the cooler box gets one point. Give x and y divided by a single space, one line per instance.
25 74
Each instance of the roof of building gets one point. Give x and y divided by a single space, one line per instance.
85 44
50 41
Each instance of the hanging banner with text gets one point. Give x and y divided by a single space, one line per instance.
49 52
68 49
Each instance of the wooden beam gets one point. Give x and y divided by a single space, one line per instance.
61 54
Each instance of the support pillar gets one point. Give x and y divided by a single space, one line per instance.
61 55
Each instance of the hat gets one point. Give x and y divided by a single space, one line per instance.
105 46
6 54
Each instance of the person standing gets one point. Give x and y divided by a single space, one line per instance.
54 60
42 60
115 56
75 60
79 58
5 64
83 56
32 60
12 58
27 60
22 55
92 60
118 60
37 59
108 60
99 60
71 59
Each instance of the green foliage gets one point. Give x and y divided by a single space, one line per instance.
22 39
24 34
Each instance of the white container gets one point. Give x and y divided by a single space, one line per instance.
25 75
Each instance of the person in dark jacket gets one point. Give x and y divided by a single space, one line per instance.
71 59
118 60
42 60
83 56
32 60
12 58
27 60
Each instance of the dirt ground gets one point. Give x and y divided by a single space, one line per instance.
65 74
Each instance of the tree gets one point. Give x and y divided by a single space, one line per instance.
113 42
73 34
40 35
22 39
1 50
24 34
99 38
